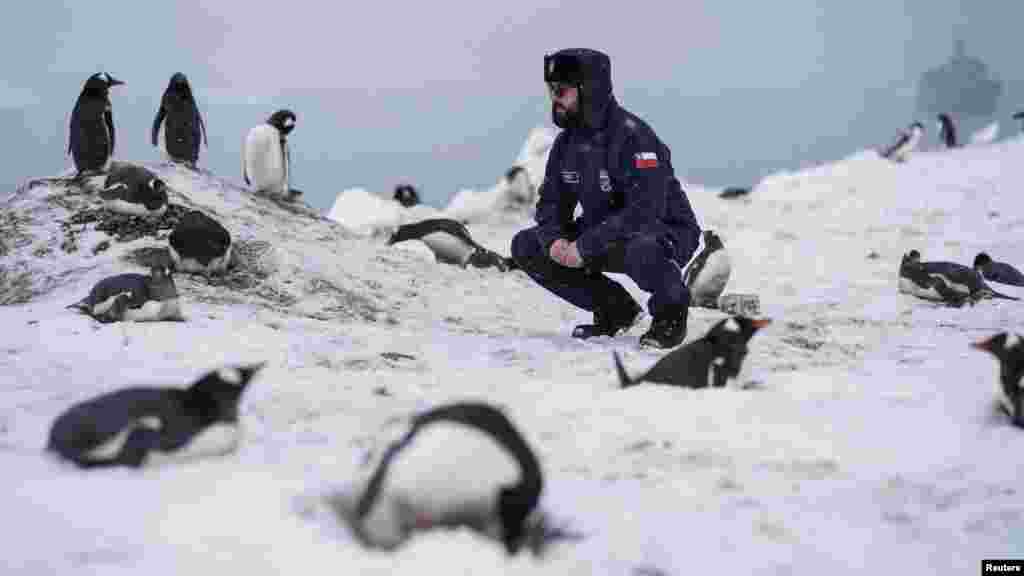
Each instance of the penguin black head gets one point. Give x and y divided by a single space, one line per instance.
918 126
161 285
100 84
158 197
514 507
179 84
729 338
982 259
912 257
220 391
283 120
1018 115
406 195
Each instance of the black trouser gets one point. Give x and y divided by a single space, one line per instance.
646 259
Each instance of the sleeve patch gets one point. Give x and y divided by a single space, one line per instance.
645 160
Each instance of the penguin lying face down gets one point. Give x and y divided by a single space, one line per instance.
708 361
451 243
1009 350
708 272
141 426
460 465
994 271
948 282
135 191
133 297
199 243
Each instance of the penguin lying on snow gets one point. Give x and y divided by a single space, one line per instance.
948 282
141 426
133 297
451 243
461 465
1009 350
708 361
199 243
994 271
134 190
708 272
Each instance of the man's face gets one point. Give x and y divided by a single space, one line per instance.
564 99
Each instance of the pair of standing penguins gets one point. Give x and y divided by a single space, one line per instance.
92 137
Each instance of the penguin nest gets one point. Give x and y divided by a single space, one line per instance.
122 227
251 263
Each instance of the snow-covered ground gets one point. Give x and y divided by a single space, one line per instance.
871 445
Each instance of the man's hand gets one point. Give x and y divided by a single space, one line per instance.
566 253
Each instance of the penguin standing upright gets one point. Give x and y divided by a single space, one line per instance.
708 272
458 465
134 190
1019 116
708 361
183 126
947 131
265 155
905 144
1009 350
142 425
91 136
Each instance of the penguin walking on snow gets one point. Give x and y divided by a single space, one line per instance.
182 124
948 282
134 190
947 131
199 243
133 298
451 243
994 271
905 144
457 465
708 361
708 272
91 136
142 426
266 158
1008 349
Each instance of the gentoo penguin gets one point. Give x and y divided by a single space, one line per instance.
708 361
134 190
519 191
734 192
133 297
460 465
947 282
91 137
147 425
1019 116
708 272
199 243
265 156
406 195
1007 348
451 243
947 131
906 143
183 126
994 271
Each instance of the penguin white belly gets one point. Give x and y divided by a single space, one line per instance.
711 280
154 310
447 469
908 286
100 308
447 248
218 264
214 441
264 160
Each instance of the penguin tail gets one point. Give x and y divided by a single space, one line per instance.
81 306
1003 296
624 380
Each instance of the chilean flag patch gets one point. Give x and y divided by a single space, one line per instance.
645 160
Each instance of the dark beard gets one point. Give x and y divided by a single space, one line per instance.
565 120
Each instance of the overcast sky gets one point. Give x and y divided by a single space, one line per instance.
443 94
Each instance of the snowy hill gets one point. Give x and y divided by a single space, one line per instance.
870 443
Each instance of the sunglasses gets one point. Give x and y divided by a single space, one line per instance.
559 89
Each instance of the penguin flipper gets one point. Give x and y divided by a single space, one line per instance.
156 124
